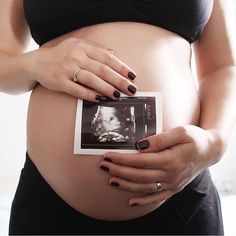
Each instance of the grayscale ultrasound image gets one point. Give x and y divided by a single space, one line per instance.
111 124
117 124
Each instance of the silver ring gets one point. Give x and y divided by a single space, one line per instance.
75 75
159 186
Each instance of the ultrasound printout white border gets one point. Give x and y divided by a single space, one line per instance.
77 137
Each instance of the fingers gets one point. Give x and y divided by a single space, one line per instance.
162 140
112 78
90 80
136 187
76 90
150 199
133 174
102 72
142 161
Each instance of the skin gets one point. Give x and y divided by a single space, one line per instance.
51 116
169 151
192 140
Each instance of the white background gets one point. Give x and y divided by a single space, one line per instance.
13 110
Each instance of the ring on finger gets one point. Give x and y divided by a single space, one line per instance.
75 75
159 186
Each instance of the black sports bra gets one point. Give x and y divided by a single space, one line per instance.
49 19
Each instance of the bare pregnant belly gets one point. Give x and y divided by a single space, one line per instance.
161 61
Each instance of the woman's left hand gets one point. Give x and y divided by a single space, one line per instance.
172 158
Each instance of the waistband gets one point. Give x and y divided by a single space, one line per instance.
33 176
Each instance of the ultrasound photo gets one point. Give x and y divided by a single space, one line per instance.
116 125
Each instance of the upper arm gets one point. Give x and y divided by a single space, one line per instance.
215 49
13 27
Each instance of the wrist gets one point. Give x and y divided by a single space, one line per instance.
27 65
218 144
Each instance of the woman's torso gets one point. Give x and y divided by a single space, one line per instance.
161 60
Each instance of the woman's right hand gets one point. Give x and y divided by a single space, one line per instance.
101 73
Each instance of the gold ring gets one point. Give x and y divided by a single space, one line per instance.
75 75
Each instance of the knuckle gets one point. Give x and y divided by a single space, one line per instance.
72 40
69 41
81 44
183 130
102 70
108 58
75 56
186 132
77 52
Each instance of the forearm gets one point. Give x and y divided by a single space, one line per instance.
14 73
218 95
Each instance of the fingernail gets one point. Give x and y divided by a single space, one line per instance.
102 98
133 204
107 159
116 94
144 144
115 184
104 168
131 75
132 89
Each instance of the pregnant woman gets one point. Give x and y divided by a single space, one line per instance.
94 50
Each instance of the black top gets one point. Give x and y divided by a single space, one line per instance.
49 19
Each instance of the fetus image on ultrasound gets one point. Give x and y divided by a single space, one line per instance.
113 124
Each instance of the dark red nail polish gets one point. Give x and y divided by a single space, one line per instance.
132 89
115 184
107 159
143 144
116 94
134 204
131 75
104 168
